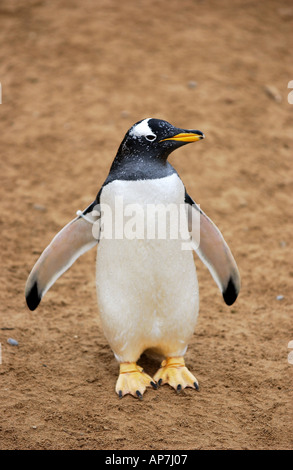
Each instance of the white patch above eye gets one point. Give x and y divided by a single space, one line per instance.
142 130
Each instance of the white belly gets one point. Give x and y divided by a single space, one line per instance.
147 288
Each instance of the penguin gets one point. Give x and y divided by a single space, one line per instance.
147 288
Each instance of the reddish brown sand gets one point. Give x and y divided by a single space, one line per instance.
74 78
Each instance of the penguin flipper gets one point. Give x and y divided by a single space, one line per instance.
214 253
75 239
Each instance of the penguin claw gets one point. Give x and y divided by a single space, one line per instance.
139 394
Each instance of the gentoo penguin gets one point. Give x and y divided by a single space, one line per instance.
146 285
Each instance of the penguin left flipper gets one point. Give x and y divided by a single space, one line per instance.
75 239
214 253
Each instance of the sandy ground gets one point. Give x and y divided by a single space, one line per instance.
75 76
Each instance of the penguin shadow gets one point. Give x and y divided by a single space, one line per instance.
149 363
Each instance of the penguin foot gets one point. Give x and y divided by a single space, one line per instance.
174 372
133 380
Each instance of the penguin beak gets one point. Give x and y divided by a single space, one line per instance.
188 136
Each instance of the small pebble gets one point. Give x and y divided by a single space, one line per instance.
192 84
273 93
279 297
286 13
125 114
12 341
243 203
34 427
39 207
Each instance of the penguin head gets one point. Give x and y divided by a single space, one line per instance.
156 138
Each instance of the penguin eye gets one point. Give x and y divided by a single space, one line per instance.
151 137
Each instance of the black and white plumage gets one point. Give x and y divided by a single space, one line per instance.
146 288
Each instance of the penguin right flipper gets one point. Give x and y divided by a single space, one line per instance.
75 239
214 253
